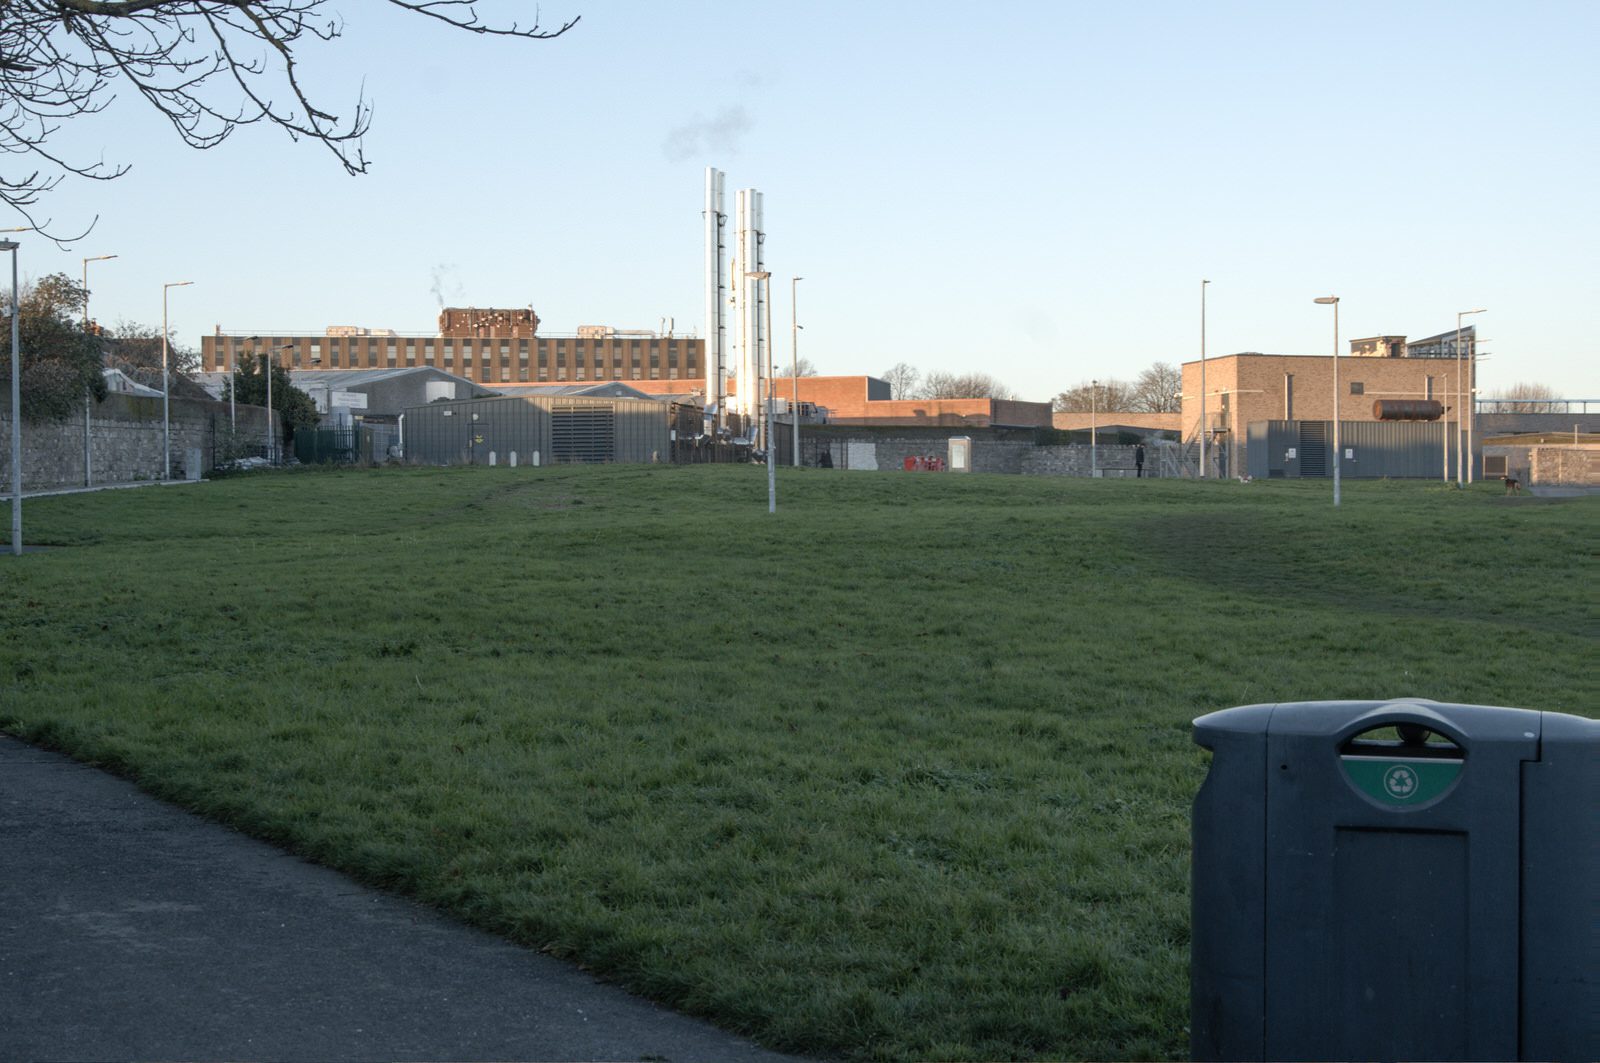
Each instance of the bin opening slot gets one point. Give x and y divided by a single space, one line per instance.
1409 740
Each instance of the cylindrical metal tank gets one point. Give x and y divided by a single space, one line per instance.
1407 410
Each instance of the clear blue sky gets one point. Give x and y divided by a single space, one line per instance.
1034 190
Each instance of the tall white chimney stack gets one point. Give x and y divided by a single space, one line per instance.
716 330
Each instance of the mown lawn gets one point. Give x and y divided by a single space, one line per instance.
901 772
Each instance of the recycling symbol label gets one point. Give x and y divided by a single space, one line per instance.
1409 783
1400 782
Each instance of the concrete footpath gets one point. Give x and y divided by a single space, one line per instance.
132 930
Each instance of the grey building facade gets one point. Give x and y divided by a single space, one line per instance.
538 430
1370 449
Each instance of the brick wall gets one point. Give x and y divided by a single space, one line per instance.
846 395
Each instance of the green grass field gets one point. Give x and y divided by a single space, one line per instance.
903 771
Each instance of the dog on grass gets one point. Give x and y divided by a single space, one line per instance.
1513 485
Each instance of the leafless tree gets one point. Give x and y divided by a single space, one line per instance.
1103 395
1526 398
805 368
208 66
902 380
937 385
1156 390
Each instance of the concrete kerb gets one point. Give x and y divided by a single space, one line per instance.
52 491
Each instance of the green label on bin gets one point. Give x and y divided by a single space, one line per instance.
1400 780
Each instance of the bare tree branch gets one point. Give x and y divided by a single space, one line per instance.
942 385
1094 395
207 66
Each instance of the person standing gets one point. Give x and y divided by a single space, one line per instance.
1138 460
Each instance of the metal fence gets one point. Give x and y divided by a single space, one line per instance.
314 446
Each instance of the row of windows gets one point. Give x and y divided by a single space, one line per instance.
681 356
672 346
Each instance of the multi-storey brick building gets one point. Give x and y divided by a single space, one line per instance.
487 346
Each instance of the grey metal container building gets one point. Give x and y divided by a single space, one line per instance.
1372 449
538 429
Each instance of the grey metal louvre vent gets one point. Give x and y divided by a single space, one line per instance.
1314 449
1494 465
583 434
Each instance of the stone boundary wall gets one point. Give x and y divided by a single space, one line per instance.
1076 460
1568 466
999 456
124 441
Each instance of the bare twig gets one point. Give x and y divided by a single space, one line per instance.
207 66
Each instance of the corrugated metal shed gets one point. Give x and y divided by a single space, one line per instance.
610 389
539 429
1371 449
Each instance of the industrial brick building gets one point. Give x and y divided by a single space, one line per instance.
487 346
864 400
1245 389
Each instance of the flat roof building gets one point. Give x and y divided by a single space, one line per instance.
489 347
1244 389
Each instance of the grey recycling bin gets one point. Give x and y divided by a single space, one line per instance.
1396 880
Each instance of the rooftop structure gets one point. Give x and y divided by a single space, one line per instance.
488 323
1441 346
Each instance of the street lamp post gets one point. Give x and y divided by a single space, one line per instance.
764 276
166 386
16 403
1464 455
794 364
271 359
1094 454
272 435
1203 378
88 396
1333 301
